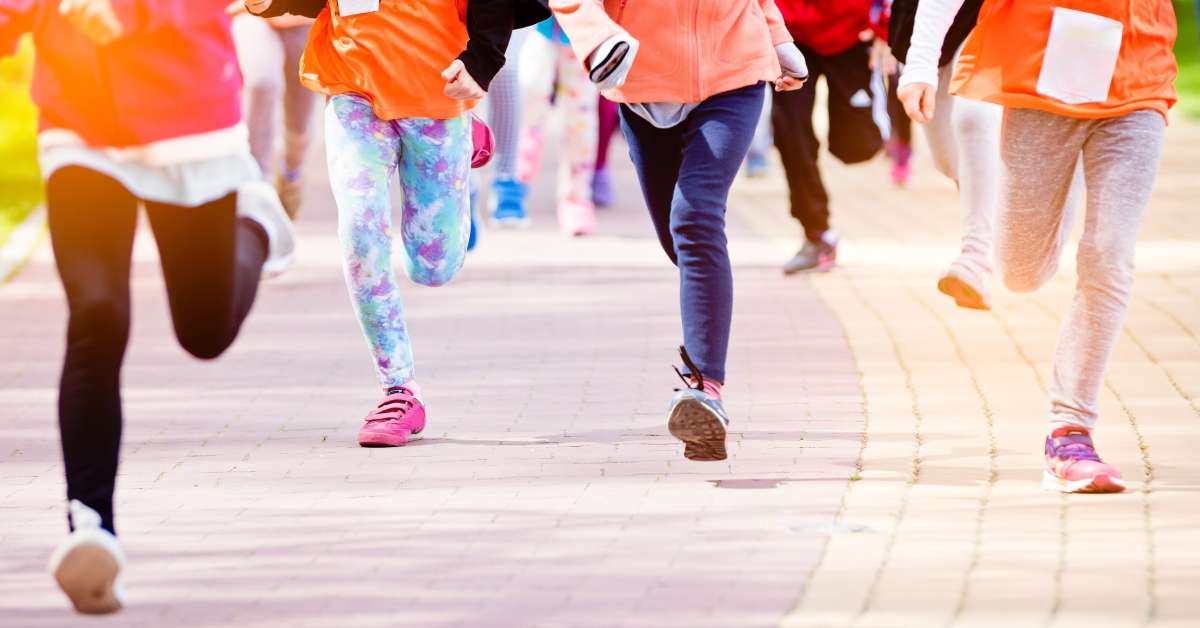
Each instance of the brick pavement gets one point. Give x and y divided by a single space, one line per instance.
884 471
954 528
547 492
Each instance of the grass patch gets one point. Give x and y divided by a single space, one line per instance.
1187 51
20 182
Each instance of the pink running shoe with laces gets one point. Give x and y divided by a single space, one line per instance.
1073 466
398 419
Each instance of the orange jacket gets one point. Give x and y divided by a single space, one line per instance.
1002 59
394 57
690 49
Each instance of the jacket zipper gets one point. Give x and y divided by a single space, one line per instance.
695 50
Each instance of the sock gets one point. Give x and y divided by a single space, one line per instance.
713 389
412 387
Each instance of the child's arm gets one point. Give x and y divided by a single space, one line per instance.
16 19
489 27
919 80
779 31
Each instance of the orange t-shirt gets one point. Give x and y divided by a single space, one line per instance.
394 57
1000 62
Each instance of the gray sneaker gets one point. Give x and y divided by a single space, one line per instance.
697 419
818 257
968 289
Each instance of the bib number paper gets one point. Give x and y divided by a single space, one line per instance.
1081 57
346 8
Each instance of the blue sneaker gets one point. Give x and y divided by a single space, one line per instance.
509 208
473 240
697 418
602 191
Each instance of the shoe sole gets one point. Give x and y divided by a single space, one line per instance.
379 441
701 431
1095 485
819 268
963 294
87 574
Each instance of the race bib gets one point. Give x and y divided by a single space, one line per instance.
346 8
1081 57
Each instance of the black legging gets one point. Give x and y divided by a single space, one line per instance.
211 262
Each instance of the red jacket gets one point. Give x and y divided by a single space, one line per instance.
173 73
829 27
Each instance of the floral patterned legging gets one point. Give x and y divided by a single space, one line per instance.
433 158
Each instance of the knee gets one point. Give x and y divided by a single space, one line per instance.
264 88
1106 265
1022 280
972 125
436 274
851 153
205 342
96 316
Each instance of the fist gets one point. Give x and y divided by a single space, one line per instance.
459 83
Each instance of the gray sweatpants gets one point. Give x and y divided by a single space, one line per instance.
1120 156
270 62
964 142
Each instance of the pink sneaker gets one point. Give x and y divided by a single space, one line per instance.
399 418
577 218
1073 466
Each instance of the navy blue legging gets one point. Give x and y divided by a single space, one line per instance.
686 172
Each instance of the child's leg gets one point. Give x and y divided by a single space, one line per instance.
298 101
435 169
537 76
656 155
504 109
92 220
976 128
362 153
608 121
798 147
578 101
212 261
715 142
1120 158
1038 151
261 57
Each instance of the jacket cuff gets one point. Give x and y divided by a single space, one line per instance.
915 74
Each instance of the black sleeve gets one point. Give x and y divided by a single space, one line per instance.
306 8
489 27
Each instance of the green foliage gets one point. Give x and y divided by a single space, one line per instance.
20 185
1187 50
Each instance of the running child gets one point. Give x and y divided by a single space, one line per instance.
690 103
551 77
416 123
138 107
269 55
830 33
1095 82
964 142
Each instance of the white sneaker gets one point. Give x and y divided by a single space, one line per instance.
88 563
258 201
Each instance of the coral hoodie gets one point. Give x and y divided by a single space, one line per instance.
690 49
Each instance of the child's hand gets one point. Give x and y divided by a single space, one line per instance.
788 83
459 84
96 19
918 100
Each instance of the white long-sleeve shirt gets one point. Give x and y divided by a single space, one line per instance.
933 21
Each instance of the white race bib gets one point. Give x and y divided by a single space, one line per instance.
346 8
1081 57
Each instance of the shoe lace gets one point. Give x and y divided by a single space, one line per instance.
694 381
